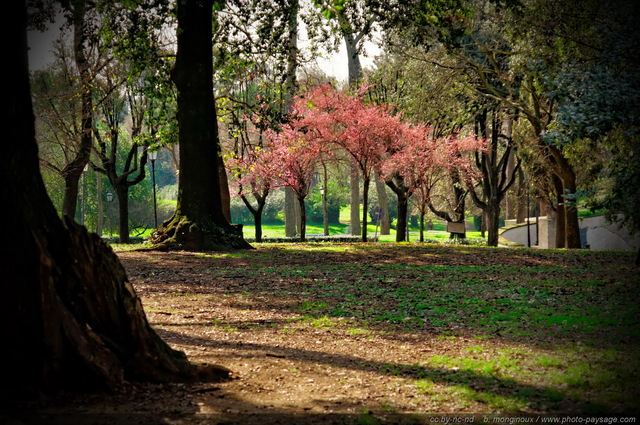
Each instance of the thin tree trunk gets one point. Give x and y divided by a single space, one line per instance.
100 225
123 213
225 195
355 200
291 89
290 215
257 221
325 213
521 214
303 220
383 203
494 222
560 214
365 203
401 223
74 169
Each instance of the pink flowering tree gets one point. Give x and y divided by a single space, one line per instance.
247 117
411 169
346 123
418 162
292 160
251 175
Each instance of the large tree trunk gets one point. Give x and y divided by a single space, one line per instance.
70 318
199 222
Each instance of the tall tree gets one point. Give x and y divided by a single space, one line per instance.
122 174
353 22
84 31
70 317
492 163
499 69
58 126
198 222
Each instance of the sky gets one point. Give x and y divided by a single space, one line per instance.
334 65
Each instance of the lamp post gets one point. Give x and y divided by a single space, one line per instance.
323 192
109 199
152 157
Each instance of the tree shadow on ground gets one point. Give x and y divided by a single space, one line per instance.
577 299
481 386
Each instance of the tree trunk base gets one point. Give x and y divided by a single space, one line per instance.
180 233
87 330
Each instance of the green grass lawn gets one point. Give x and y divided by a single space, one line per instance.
278 231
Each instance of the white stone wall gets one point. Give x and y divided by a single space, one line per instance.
596 233
601 235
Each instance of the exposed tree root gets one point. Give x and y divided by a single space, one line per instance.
180 233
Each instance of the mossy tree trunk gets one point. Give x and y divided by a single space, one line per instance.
70 318
199 222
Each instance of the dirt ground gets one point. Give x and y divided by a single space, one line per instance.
284 370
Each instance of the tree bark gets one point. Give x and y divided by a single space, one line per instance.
365 203
70 318
199 222
122 192
290 221
396 184
303 220
383 203
565 184
100 224
225 195
493 224
522 198
257 212
355 200
73 170
560 214
291 88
